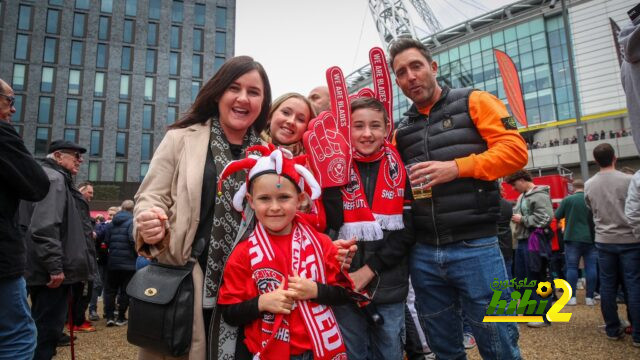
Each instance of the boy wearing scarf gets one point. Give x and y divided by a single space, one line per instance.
370 208
278 283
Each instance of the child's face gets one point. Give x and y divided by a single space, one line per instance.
368 130
275 207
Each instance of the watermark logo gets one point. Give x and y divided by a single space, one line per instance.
522 308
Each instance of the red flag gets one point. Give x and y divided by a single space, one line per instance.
511 83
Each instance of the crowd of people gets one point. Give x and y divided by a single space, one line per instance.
574 139
285 267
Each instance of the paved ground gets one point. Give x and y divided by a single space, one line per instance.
579 339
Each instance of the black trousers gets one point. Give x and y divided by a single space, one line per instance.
49 310
81 294
117 280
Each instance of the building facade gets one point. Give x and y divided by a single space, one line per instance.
532 34
109 74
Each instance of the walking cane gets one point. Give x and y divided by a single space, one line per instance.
71 326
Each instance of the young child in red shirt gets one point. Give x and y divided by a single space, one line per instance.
278 283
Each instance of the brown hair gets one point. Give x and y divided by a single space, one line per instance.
373 104
206 104
520 174
266 134
406 43
604 154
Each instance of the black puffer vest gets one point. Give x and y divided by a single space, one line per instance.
465 208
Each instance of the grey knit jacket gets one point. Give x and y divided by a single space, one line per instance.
629 40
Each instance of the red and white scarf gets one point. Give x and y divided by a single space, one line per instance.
366 221
268 266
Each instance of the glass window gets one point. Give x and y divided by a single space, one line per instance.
121 144
71 135
536 26
524 45
147 117
19 77
103 28
101 56
152 34
148 88
94 170
24 17
154 9
522 30
76 52
221 42
474 46
543 77
217 62
83 4
50 50
119 173
464 50
53 19
497 38
221 17
196 66
131 7
199 11
96 116
173 90
538 41
485 42
17 116
150 65
176 11
172 113
56 2
73 105
145 152
144 168
79 21
44 110
174 63
106 6
98 89
128 31
124 86
197 39
95 143
42 140
454 54
46 82
526 60
195 87
22 47
540 56
123 115
510 34
175 37
74 82
125 63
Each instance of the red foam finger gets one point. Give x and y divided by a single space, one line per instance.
382 86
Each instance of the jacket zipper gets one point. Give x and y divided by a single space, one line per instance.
427 124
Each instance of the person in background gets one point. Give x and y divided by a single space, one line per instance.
320 99
618 249
121 265
22 179
629 40
58 256
578 240
632 205
102 254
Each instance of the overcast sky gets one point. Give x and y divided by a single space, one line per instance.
297 40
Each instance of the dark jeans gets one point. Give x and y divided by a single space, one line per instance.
117 280
98 286
81 293
573 252
521 260
619 263
49 310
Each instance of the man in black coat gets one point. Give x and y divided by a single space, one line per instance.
22 178
58 256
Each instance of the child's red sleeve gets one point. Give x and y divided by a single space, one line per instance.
237 283
332 266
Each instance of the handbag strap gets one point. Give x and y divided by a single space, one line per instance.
197 248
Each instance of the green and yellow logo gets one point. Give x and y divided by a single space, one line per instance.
522 308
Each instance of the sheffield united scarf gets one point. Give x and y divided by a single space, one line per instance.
268 266
366 221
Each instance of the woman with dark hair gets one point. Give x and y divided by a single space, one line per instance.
177 208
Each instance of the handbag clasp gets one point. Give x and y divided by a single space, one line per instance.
150 291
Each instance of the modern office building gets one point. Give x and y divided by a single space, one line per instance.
532 34
109 74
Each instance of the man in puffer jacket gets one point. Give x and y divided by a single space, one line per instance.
122 263
532 211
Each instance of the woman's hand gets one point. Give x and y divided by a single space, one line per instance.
362 277
279 301
151 225
346 250
304 289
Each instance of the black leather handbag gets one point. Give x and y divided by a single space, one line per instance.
161 308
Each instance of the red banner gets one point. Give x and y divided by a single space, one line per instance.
511 83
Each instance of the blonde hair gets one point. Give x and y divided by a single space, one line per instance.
296 148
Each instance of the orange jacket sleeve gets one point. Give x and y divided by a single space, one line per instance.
507 151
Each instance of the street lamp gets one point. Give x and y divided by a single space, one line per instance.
582 150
